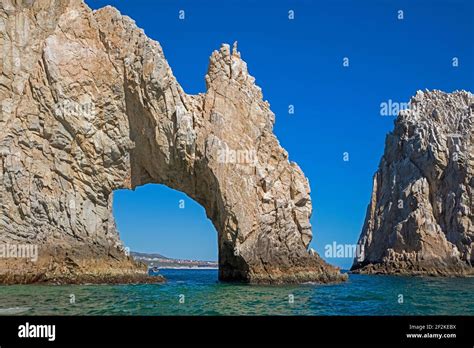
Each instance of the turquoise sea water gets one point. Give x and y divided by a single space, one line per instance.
204 295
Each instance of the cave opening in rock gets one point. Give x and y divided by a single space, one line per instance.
155 219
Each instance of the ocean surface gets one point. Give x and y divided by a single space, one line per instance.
198 292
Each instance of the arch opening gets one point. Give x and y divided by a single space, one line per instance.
154 219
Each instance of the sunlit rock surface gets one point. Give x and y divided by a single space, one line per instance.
420 218
89 104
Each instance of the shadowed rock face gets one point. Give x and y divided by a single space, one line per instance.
90 105
420 218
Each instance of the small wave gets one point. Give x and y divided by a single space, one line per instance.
14 310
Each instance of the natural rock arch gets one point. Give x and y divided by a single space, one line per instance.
93 106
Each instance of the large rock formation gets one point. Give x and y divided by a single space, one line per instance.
89 104
420 219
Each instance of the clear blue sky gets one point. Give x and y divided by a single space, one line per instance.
299 62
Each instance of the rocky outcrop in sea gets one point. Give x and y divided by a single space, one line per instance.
420 219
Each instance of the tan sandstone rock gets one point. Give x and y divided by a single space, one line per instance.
420 219
89 104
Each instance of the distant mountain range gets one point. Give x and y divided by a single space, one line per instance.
160 261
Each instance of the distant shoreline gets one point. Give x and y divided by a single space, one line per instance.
159 261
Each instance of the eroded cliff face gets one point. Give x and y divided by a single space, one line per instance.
420 218
89 104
